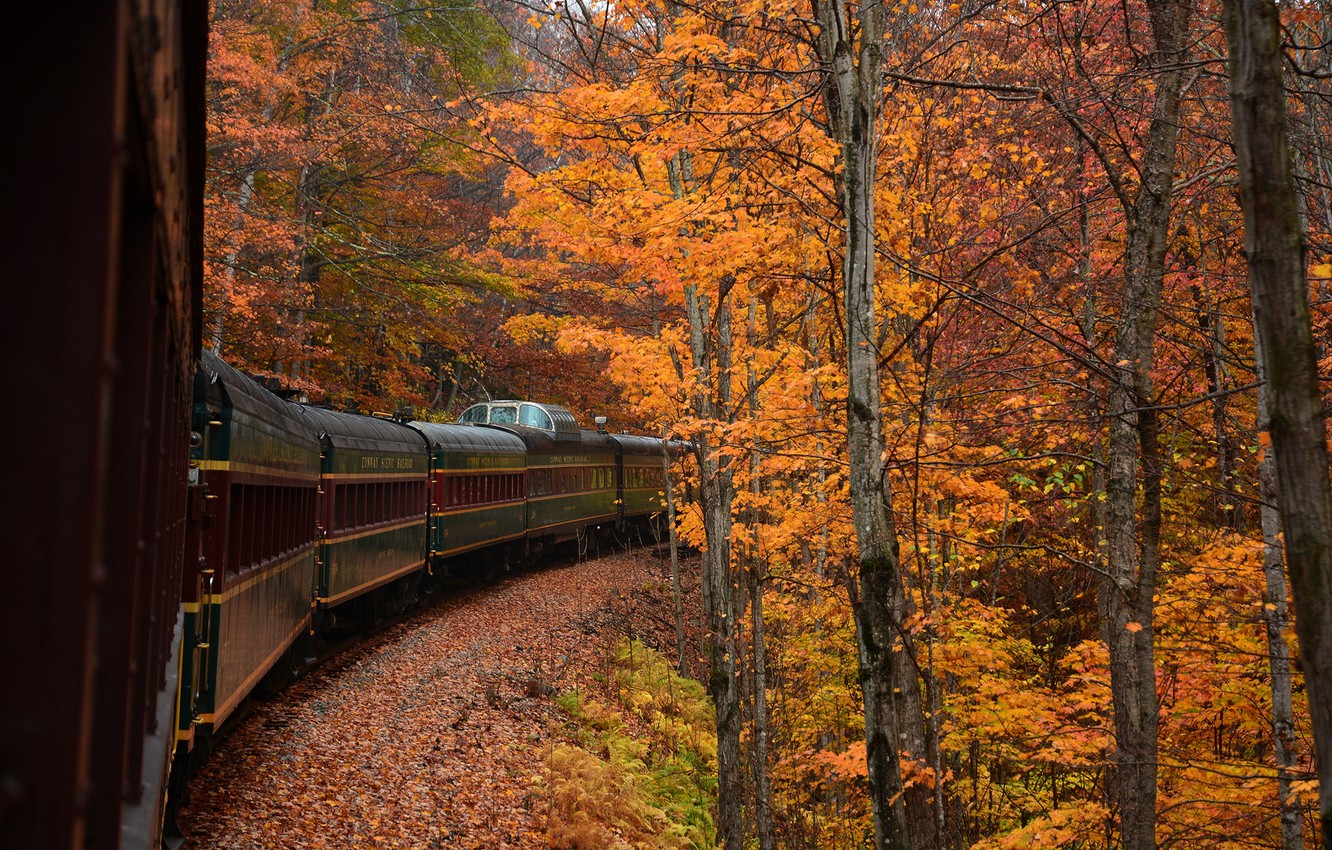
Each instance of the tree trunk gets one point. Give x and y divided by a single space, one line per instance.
1127 590
762 782
1276 618
852 89
712 360
675 554
1274 246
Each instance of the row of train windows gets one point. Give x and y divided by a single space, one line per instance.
459 490
356 505
577 479
644 476
267 522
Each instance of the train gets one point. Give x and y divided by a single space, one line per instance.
306 523
177 534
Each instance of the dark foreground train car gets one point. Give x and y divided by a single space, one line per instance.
372 514
252 549
98 333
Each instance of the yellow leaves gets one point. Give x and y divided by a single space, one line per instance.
1322 271
1306 791
531 328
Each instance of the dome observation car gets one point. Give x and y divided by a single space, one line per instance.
531 414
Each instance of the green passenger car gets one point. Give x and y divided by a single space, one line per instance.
642 490
477 484
372 507
571 483
251 552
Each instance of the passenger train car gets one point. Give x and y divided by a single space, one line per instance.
99 335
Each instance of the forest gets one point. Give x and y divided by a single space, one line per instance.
999 333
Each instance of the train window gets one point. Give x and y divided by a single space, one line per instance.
283 520
503 415
475 413
254 518
236 514
254 521
293 515
262 522
530 414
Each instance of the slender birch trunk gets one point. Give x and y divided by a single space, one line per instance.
1276 619
712 360
852 56
676 592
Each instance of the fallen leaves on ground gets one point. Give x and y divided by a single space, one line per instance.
430 734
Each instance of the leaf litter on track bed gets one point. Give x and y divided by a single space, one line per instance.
430 734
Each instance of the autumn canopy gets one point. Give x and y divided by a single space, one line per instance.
950 299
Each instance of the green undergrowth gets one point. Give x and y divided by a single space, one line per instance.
639 771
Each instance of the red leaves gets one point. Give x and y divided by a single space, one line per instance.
428 735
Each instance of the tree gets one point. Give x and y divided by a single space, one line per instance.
1274 248
850 50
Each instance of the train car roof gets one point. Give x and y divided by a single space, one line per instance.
243 393
633 444
469 438
363 433
541 441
